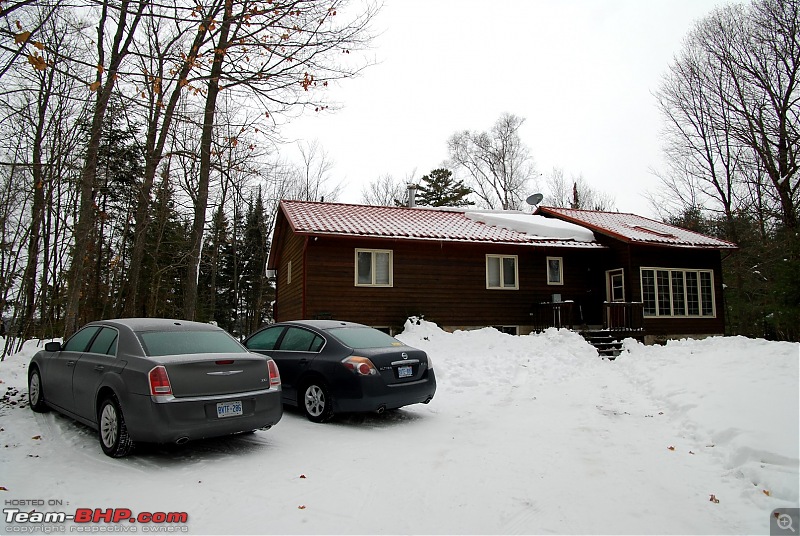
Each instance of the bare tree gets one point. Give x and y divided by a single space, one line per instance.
272 54
497 163
731 100
313 174
123 20
575 192
384 191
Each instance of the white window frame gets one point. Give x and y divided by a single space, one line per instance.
659 313
610 275
502 278
373 271
560 270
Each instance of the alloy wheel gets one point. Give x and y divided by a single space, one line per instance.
109 425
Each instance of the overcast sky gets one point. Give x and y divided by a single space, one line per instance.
581 72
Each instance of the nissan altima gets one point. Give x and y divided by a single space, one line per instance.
155 380
329 367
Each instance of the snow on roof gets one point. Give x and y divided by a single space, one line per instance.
450 224
533 225
636 229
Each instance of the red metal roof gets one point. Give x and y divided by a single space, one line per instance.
636 229
337 219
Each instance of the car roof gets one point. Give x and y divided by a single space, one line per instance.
322 324
157 324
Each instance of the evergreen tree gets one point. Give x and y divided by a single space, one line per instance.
120 166
228 280
164 263
254 284
214 286
441 190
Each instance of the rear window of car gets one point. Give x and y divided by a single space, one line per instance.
362 337
158 343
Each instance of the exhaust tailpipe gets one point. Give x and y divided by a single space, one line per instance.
181 440
381 409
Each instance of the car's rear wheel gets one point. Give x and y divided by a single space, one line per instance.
36 391
316 401
114 438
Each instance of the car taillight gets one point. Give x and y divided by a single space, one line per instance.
274 375
159 382
430 363
360 365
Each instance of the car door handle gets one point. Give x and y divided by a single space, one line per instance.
70 363
303 361
99 368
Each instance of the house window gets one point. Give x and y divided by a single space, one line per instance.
508 330
501 272
555 271
616 285
374 268
678 292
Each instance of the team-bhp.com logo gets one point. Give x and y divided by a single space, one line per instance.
88 520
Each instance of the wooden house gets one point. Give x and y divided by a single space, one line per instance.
464 268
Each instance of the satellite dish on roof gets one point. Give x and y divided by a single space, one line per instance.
534 199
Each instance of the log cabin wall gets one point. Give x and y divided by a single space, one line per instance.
291 272
443 281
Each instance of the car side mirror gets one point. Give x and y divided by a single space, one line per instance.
52 346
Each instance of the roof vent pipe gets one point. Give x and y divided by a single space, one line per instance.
412 195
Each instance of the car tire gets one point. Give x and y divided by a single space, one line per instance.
114 438
315 399
36 392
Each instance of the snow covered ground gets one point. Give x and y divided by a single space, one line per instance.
529 435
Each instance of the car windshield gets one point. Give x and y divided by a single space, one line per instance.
363 337
158 343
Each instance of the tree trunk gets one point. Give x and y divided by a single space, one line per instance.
206 140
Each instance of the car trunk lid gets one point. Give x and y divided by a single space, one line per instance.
216 374
397 365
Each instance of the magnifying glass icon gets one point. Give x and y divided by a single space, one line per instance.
785 522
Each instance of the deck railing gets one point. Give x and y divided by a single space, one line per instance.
553 315
623 316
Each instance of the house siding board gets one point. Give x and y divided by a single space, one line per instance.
424 283
289 296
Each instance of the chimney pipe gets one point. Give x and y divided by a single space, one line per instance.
412 195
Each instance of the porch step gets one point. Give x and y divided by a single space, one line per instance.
604 341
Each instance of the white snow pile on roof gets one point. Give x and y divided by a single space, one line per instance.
530 224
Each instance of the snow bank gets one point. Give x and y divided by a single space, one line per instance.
533 225
526 435
488 358
740 395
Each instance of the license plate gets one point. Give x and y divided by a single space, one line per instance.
404 372
229 409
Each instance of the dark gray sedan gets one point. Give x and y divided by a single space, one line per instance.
155 380
329 366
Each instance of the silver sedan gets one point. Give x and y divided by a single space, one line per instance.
155 380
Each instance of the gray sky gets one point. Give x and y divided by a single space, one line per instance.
581 72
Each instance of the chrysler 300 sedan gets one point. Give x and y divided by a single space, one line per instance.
329 366
155 380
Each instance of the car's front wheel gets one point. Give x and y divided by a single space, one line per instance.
36 391
114 438
316 402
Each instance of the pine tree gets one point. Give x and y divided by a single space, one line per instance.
254 283
165 260
441 190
